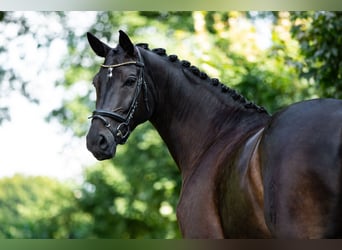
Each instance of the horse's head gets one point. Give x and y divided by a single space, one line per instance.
121 96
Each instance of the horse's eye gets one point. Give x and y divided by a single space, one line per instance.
130 81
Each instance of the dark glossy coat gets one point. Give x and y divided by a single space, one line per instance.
245 174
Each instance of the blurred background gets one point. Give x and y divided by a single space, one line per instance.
52 187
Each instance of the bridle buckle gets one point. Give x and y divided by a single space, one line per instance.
123 131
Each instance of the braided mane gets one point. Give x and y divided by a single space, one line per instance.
202 75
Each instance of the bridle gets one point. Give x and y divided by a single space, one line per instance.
123 130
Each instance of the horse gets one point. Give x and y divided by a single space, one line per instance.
245 173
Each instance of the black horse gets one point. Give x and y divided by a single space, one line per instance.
245 173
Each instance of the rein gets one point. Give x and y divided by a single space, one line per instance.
123 130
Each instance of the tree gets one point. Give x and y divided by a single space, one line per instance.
40 207
17 28
264 74
135 194
319 36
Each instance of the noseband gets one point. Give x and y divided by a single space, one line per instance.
123 130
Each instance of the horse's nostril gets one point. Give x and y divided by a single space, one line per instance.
103 143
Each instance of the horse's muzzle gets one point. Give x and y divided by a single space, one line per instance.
101 143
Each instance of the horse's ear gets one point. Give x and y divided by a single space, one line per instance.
100 48
126 43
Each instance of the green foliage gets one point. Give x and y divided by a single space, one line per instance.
39 207
135 194
273 76
16 29
319 35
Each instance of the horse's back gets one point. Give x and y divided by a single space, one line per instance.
301 165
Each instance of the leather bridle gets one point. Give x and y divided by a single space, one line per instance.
123 130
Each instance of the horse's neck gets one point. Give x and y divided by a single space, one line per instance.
191 116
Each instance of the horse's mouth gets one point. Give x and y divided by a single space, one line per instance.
104 155
102 146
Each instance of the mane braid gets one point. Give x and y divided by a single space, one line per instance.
143 45
185 63
160 51
214 81
173 58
